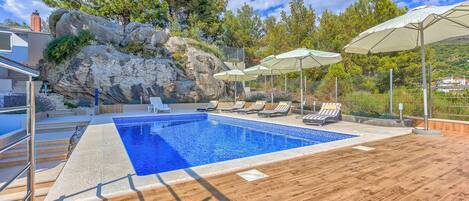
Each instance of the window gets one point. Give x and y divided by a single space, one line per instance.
5 41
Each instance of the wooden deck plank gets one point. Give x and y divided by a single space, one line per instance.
402 168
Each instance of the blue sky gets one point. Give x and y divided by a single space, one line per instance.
20 10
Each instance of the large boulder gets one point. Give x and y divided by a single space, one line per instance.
126 63
197 64
145 35
63 22
73 22
124 78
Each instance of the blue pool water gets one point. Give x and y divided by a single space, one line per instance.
11 122
163 143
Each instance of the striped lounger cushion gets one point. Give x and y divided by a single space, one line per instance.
282 108
328 111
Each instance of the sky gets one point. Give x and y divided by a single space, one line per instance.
20 10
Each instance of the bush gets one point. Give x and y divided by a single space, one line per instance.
63 47
364 102
180 57
138 49
255 96
70 105
84 103
207 48
226 99
43 104
282 96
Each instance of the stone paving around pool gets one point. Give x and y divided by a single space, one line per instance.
100 167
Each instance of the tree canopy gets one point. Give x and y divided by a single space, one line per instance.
261 36
122 11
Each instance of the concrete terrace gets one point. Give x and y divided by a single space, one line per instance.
99 167
408 167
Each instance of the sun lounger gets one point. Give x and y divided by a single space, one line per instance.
282 109
238 105
330 112
211 106
254 108
157 105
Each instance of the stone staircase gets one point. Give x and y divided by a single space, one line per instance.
60 109
52 143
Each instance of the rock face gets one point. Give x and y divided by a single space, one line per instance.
124 77
63 22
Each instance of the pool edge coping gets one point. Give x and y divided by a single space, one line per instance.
223 167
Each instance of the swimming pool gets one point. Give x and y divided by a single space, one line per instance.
11 122
164 143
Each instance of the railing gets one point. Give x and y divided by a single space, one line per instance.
73 141
453 108
30 132
232 54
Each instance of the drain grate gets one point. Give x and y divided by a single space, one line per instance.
363 148
252 175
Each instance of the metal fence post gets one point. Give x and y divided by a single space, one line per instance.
31 130
430 97
336 90
390 91
314 106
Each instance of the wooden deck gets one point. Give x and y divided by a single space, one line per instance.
402 168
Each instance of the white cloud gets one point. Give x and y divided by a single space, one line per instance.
265 7
414 3
23 8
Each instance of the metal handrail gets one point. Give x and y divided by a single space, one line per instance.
30 132
3 149
5 185
28 195
13 109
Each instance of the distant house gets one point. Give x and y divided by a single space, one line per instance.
449 84
24 46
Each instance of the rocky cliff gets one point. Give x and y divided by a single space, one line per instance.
170 67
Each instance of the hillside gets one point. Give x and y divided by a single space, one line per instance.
452 57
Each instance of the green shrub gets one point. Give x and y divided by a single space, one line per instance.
281 96
70 105
84 102
255 96
63 47
179 57
364 102
207 48
138 49
226 99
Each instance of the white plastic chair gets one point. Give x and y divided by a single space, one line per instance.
157 105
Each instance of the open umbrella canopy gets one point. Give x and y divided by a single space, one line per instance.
234 75
417 28
262 70
309 58
436 23
299 59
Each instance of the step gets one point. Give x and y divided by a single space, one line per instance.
55 148
59 126
45 172
21 160
44 143
40 194
62 138
22 188
61 113
55 129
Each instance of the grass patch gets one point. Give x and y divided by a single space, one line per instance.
207 48
138 49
